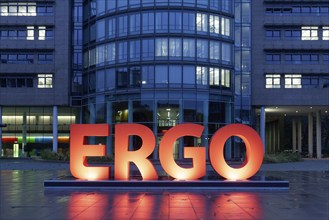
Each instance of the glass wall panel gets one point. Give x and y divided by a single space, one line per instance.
175 76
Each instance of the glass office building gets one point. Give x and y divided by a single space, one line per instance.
159 63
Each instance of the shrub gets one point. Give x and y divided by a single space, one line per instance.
49 155
282 157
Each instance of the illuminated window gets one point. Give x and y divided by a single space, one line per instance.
214 24
201 75
214 79
42 33
161 47
325 33
226 78
45 81
226 27
293 81
30 33
202 22
175 47
310 33
18 9
272 81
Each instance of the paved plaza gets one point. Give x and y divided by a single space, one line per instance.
24 197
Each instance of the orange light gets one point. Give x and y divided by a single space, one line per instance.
79 151
198 154
254 152
123 156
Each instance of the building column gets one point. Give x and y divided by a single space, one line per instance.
130 120
181 141
262 126
155 130
205 124
299 136
310 134
109 139
55 129
228 120
24 132
0 131
318 135
294 145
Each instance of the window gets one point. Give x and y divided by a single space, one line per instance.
161 47
175 76
110 53
134 54
310 33
189 76
293 34
45 81
16 82
100 54
214 50
100 30
175 22
148 22
122 51
214 78
201 75
45 58
202 22
147 76
188 22
273 58
272 81
226 53
214 27
325 58
188 48
135 25
161 74
123 25
111 28
292 81
30 33
273 34
310 82
226 27
148 49
175 47
161 22
325 33
122 77
226 78
302 58
202 49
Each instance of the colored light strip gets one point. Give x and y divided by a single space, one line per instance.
35 139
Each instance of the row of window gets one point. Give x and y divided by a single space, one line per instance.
27 33
297 58
43 80
25 9
160 49
296 81
298 10
99 7
28 58
159 22
303 33
159 76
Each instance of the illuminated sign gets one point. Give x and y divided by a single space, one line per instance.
79 151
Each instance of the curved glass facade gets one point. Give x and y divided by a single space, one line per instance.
159 63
